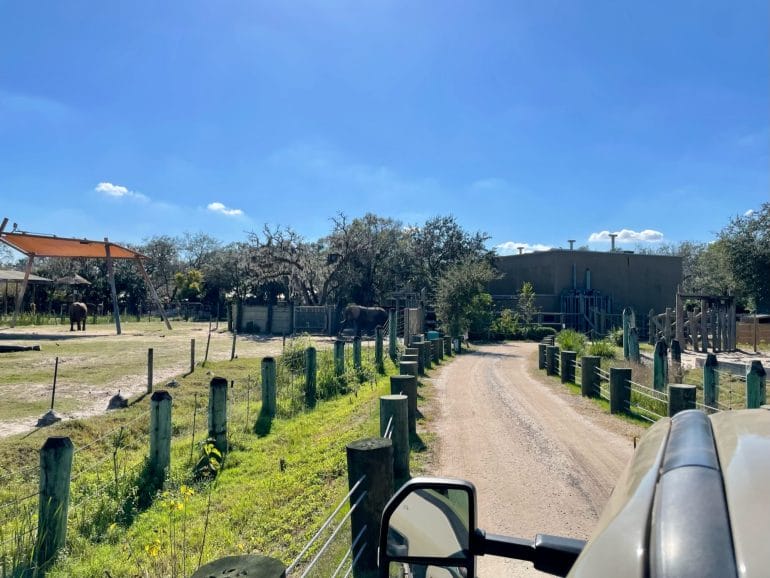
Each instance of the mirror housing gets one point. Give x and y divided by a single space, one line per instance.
430 523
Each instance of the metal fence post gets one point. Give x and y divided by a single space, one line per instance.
218 412
310 377
160 434
269 393
589 379
55 469
620 389
370 460
394 409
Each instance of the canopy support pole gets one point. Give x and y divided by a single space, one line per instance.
20 295
111 277
152 291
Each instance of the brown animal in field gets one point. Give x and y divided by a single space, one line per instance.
78 314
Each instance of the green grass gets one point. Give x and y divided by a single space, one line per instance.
281 478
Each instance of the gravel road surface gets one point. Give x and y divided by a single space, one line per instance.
543 460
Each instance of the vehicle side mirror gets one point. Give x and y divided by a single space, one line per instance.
428 528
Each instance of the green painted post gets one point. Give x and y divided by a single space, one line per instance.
395 409
392 333
567 364
626 327
633 345
407 385
541 355
551 351
378 352
160 434
408 368
589 378
370 461
357 352
448 346
192 355
310 377
681 396
53 505
218 412
660 365
269 386
755 385
620 389
710 381
339 357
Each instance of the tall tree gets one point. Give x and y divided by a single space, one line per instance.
458 293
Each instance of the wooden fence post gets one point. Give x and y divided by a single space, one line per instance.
392 333
408 368
396 408
589 379
755 385
541 355
218 412
232 351
676 360
310 377
160 434
448 346
425 351
710 383
620 389
551 351
440 343
434 350
407 385
370 460
660 366
357 352
626 327
269 393
339 357
633 345
55 469
378 353
681 396
567 364
150 362
192 354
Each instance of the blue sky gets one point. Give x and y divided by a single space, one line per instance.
536 122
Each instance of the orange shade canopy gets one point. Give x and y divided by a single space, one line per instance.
51 246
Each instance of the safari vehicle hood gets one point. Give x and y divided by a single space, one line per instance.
693 501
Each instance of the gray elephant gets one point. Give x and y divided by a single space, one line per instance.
78 314
364 319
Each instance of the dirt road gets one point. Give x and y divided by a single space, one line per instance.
542 460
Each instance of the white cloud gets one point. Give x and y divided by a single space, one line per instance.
748 213
118 191
217 207
512 248
628 236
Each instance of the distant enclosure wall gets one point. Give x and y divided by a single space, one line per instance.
285 318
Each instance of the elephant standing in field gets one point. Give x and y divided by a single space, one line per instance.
361 318
78 314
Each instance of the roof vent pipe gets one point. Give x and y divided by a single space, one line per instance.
571 244
612 237
521 250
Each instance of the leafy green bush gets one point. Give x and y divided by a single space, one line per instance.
538 332
507 326
604 348
293 357
571 340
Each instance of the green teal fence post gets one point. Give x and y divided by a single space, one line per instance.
55 469
660 366
269 386
392 333
710 382
589 378
551 351
394 410
626 327
218 412
755 385
339 357
633 345
407 385
310 377
541 355
567 364
620 389
160 434
370 462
